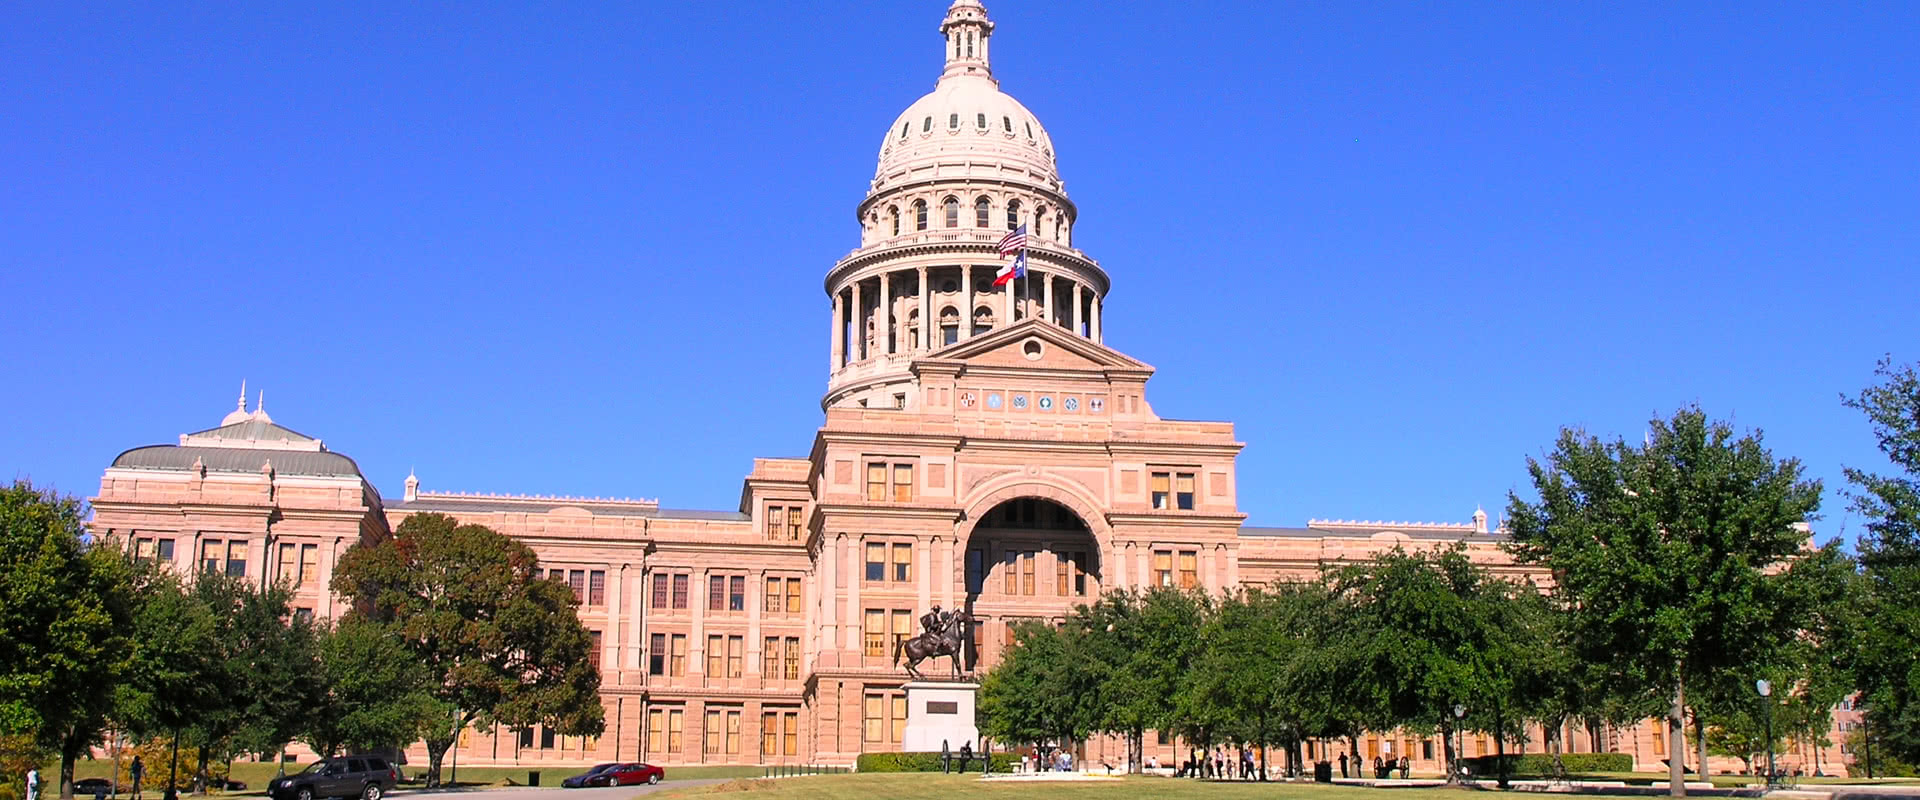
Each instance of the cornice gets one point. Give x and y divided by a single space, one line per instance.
902 440
1040 257
947 513
1157 447
1176 519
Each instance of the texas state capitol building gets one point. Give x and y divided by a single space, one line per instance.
982 448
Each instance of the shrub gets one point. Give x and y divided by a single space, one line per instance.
1542 763
927 762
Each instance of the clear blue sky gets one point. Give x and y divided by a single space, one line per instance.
560 248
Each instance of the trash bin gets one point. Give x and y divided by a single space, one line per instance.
1322 772
533 777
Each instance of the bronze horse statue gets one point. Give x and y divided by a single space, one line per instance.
949 640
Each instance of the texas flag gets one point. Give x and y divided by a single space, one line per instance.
1017 269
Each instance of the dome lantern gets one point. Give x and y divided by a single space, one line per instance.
967 30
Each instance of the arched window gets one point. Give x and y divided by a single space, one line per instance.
953 120
949 325
893 212
1007 122
913 328
952 208
919 215
1013 214
1040 219
982 320
927 125
982 212
969 44
980 120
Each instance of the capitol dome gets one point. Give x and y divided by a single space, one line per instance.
966 118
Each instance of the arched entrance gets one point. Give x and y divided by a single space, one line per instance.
1027 558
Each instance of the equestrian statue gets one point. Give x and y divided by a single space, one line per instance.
945 634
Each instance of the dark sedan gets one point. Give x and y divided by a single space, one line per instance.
592 777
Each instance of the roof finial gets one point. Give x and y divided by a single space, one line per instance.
260 407
239 414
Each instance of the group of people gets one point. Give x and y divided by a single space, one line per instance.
1382 767
1223 764
1041 761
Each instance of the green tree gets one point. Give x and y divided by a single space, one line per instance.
1042 689
372 692
498 643
1667 553
1890 553
1140 646
174 670
1240 681
65 611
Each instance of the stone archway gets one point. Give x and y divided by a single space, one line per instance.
1026 556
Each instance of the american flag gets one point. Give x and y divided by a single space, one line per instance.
1014 241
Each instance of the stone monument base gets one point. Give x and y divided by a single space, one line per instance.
939 712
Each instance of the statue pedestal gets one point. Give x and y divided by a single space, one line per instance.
939 712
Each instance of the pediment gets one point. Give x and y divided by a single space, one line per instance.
1037 344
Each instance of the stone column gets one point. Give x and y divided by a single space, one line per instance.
966 304
1046 294
924 574
883 329
839 333
1079 312
855 621
828 622
610 648
858 327
756 600
697 644
637 642
1094 330
929 327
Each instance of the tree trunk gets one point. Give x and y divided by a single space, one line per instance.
173 771
1446 753
1500 746
1700 742
71 746
436 751
1677 742
200 772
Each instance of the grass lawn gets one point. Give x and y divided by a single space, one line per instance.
256 774
935 786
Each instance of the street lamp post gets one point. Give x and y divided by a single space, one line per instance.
1766 700
1460 735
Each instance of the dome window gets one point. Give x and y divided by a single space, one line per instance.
919 215
1013 214
951 207
1029 125
894 214
1007 122
980 121
982 212
927 125
904 127
953 121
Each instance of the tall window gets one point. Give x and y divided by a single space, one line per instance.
736 656
953 120
1026 571
899 704
873 718
772 604
776 522
982 212
1012 572
309 563
716 592
876 561
597 587
716 655
902 627
577 581
1163 567
737 593
793 659
770 657
663 730
1183 491
769 733
1013 214
1162 490
1189 569
876 482
902 483
980 121
976 577
289 569
903 562
894 214
659 590
680 591
874 640
952 208
1071 578
920 212
677 659
657 654
715 732
793 595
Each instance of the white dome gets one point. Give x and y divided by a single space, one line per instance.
968 118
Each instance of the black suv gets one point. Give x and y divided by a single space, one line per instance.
366 777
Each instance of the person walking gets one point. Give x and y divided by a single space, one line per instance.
137 772
1343 763
33 783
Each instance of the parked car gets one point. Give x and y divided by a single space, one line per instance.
365 777
92 787
628 774
589 778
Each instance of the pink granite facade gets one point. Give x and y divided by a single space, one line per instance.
1002 459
